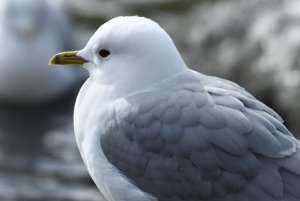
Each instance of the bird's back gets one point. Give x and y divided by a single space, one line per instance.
196 137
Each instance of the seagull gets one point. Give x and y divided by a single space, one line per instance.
27 29
150 129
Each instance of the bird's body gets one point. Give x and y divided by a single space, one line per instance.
172 134
30 32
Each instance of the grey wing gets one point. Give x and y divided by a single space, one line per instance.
191 143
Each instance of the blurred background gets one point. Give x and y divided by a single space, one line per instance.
254 43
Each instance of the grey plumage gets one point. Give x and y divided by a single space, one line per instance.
203 138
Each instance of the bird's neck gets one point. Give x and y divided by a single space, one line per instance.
126 83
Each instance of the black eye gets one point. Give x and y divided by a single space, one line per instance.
104 53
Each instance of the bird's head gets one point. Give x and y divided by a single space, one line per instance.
23 18
127 52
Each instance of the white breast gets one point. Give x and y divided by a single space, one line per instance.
91 111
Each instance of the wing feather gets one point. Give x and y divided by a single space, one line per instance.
203 139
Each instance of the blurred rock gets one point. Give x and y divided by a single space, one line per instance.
23 187
255 43
39 158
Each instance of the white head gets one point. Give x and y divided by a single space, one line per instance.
128 53
23 18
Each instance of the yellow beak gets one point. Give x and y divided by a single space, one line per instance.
67 58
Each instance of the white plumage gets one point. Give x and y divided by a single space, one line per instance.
30 32
149 128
